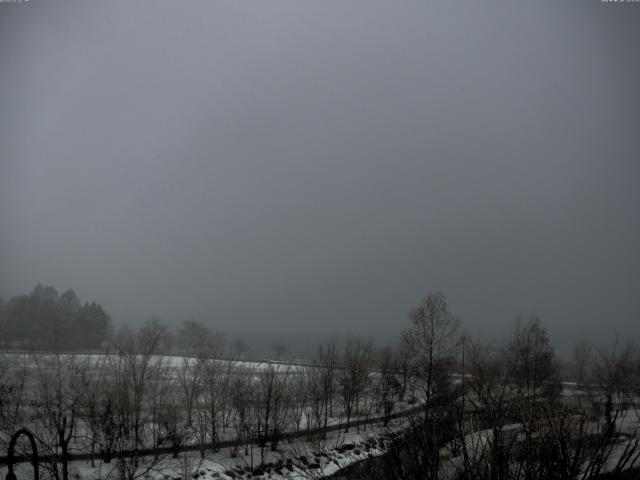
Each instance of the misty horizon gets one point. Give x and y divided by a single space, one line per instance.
318 168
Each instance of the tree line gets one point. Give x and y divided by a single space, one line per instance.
479 411
47 320
119 405
514 410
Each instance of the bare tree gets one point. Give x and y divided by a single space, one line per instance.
272 403
635 382
239 347
515 430
242 397
581 358
194 338
532 361
178 403
484 437
388 386
403 359
131 372
94 402
431 343
14 373
60 382
279 349
613 372
300 396
315 379
353 375
214 392
327 360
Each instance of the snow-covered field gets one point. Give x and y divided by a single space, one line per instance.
296 460
293 459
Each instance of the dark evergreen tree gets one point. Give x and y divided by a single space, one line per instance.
44 320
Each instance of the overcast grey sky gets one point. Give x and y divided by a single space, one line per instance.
320 166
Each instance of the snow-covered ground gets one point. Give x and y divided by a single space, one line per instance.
172 361
296 460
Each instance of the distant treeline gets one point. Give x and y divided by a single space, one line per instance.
47 320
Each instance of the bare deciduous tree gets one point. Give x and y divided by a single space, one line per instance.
14 370
300 395
431 341
353 375
388 387
241 394
133 372
532 361
271 405
215 391
60 383
581 358
327 360
612 372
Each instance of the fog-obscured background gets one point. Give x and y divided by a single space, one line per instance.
294 169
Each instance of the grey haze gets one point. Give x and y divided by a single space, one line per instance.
320 166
